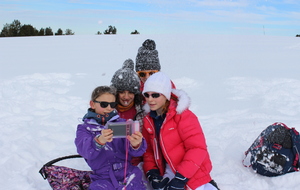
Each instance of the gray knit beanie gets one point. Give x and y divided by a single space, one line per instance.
147 57
126 78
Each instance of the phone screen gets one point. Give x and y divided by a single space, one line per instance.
120 130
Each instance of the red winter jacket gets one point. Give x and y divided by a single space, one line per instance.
182 143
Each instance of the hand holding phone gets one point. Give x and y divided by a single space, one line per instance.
106 136
135 139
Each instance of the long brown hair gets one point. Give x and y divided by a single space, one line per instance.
165 108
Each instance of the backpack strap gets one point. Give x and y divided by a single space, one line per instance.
50 163
246 154
296 148
259 143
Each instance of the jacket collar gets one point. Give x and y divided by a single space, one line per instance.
101 119
182 104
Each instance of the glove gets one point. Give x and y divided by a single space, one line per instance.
155 180
177 183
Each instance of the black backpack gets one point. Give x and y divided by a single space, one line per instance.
275 151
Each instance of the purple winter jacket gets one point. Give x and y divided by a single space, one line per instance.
108 162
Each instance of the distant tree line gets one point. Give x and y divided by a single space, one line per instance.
298 35
113 30
18 29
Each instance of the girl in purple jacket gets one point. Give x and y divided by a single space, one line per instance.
108 157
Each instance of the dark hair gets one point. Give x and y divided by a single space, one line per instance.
102 90
138 98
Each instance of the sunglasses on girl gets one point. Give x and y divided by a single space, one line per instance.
105 104
144 73
154 95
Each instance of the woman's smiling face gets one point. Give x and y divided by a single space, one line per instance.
125 97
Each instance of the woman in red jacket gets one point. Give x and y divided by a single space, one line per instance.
177 155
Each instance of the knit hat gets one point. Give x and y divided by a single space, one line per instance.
126 78
158 82
147 57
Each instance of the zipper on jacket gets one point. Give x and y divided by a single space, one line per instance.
165 154
156 154
155 145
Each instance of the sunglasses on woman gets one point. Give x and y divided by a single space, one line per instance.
105 104
154 95
144 73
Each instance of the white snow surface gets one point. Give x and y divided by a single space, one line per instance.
238 85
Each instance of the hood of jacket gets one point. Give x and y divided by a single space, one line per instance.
183 102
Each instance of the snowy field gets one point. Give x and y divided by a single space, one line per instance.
238 85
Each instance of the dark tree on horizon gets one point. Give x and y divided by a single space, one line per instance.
59 32
69 32
48 31
28 30
12 29
135 32
110 30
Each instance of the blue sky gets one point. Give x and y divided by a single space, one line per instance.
86 17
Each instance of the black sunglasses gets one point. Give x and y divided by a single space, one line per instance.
154 95
144 73
105 104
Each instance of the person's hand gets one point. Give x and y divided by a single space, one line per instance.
106 136
177 183
135 139
155 180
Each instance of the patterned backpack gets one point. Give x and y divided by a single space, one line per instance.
64 178
275 151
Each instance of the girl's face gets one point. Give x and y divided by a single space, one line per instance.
103 98
155 103
125 98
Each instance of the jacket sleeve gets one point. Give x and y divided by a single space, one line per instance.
139 151
194 143
85 144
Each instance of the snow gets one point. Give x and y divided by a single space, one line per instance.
238 86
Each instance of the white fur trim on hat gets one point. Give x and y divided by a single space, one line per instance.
158 82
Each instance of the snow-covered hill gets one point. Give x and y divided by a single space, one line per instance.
238 85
